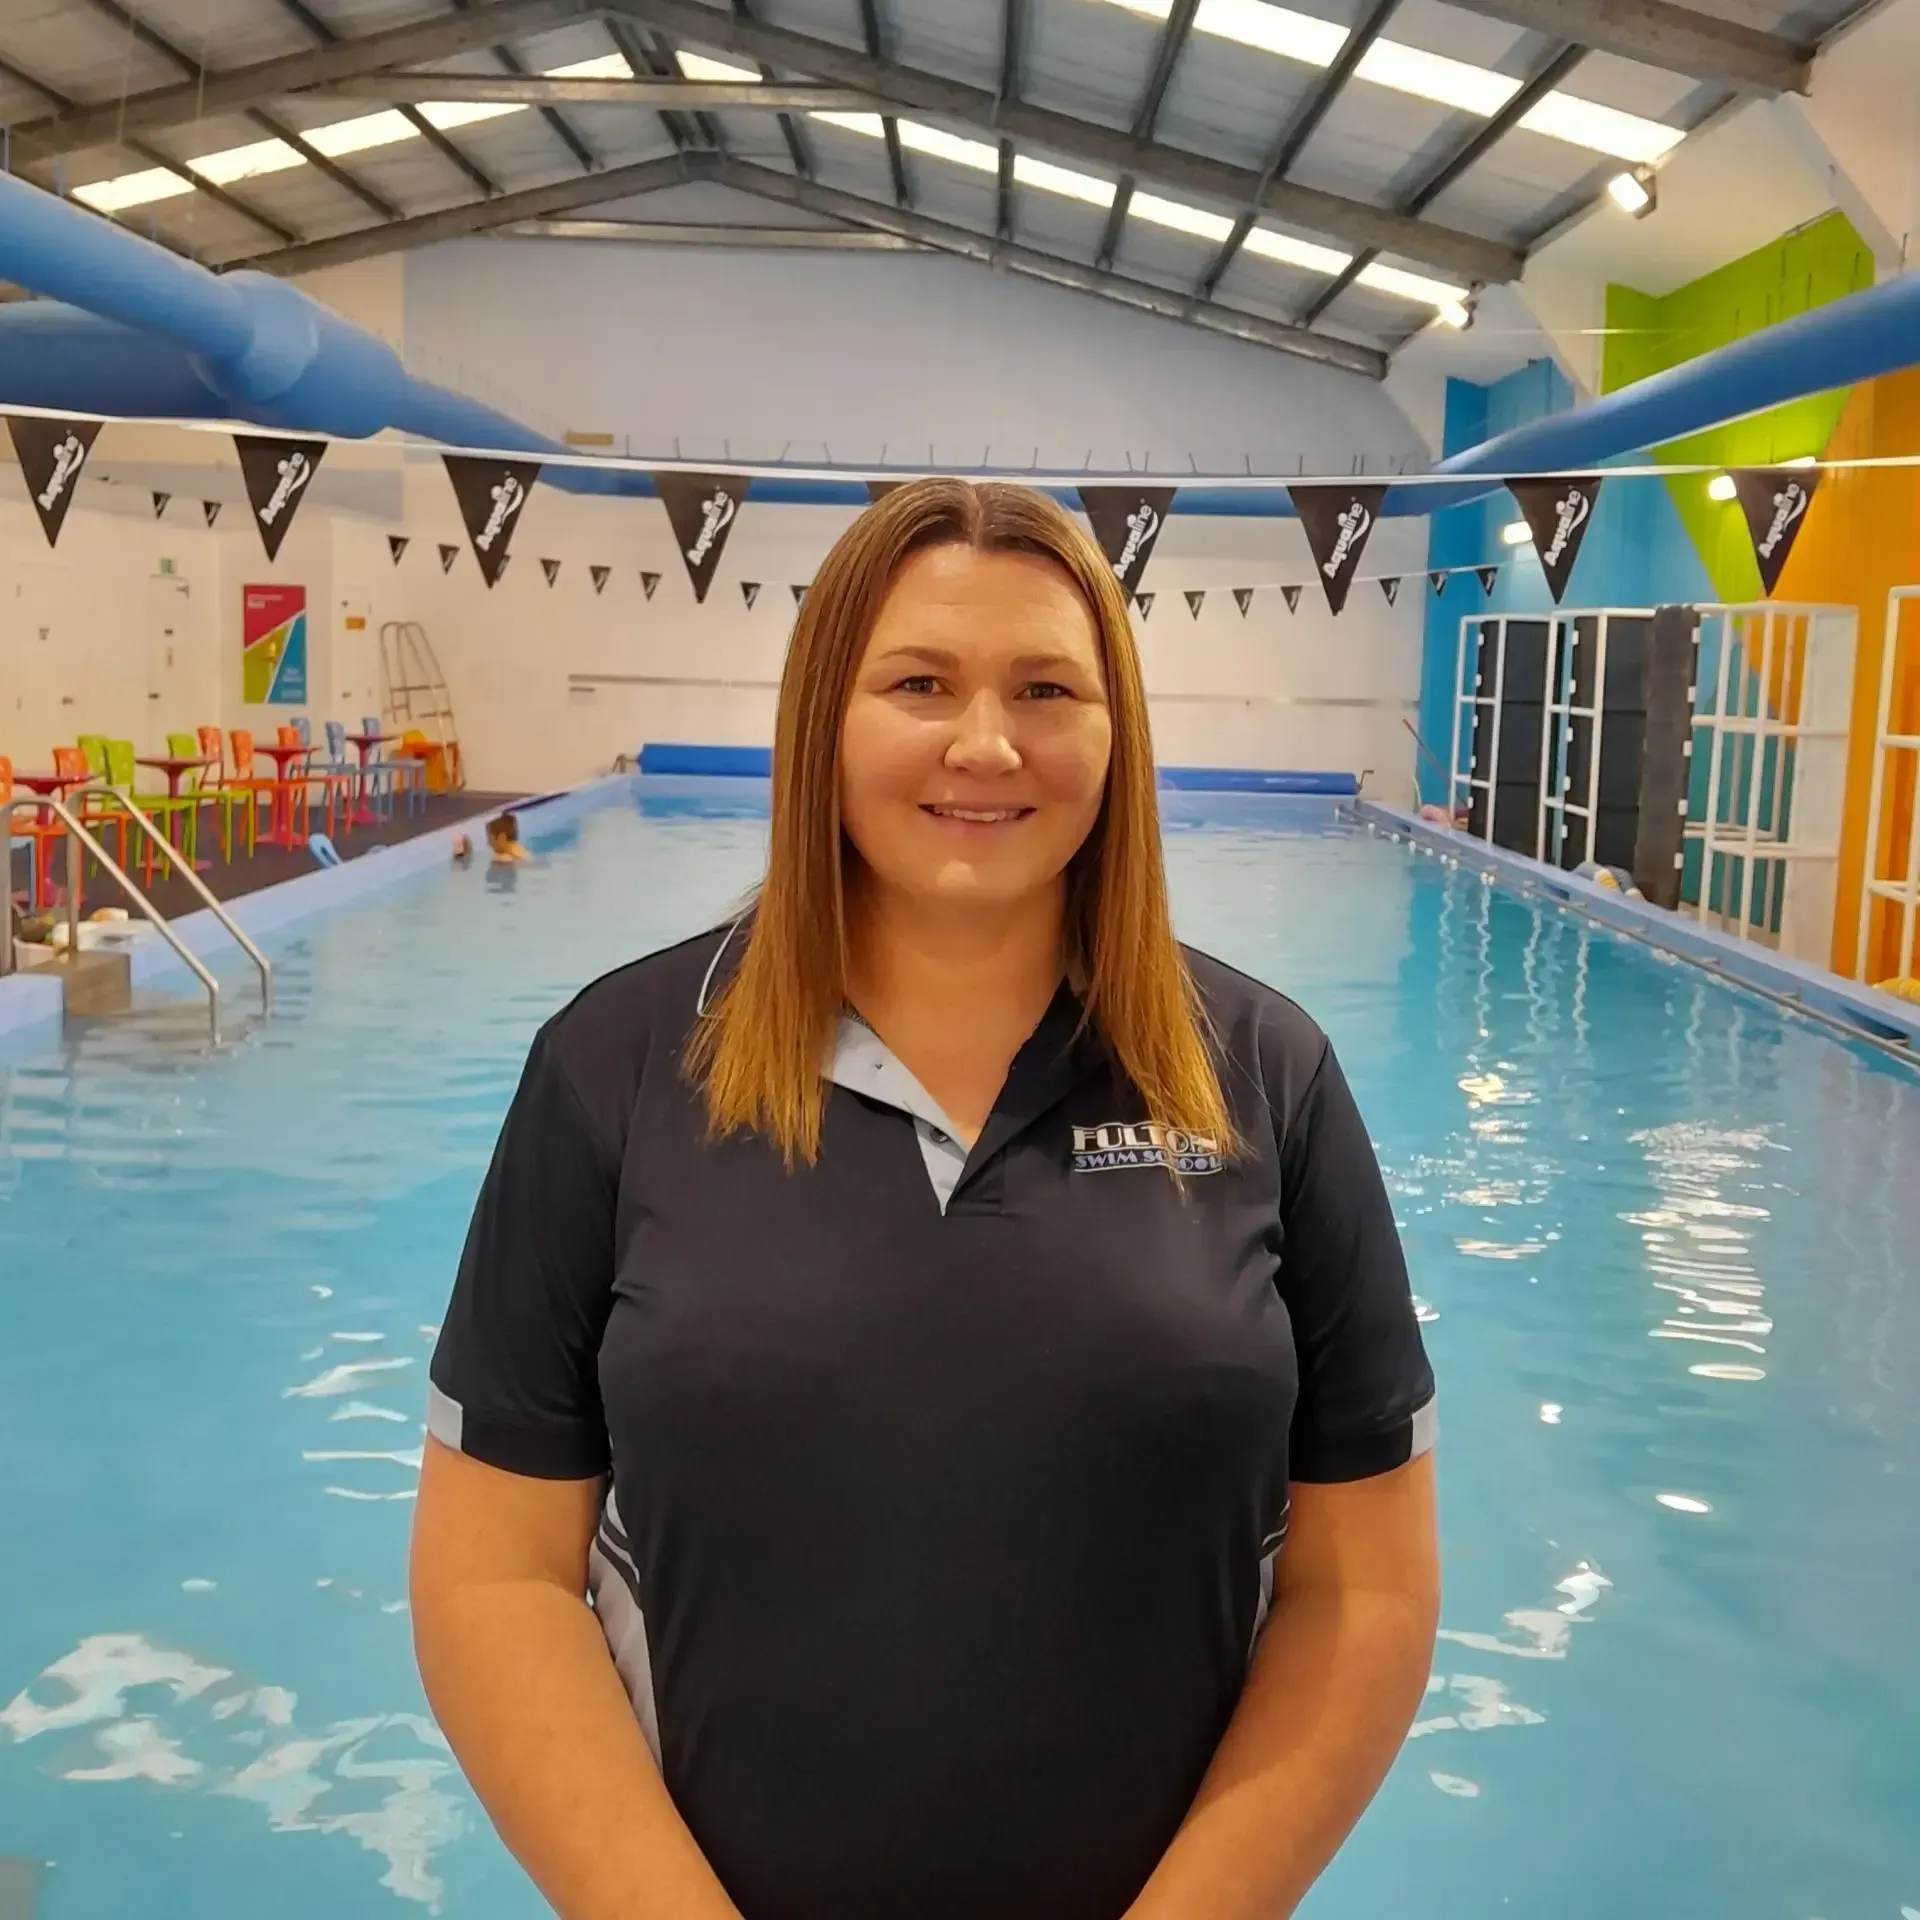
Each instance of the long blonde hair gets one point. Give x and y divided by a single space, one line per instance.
758 1052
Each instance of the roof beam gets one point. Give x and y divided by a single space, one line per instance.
1166 56
1659 34
532 90
723 234
1013 28
563 129
421 125
1353 222
641 55
157 42
889 123
1299 130
1030 262
797 149
1469 153
484 216
108 123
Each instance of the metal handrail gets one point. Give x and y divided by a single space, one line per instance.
80 843
184 868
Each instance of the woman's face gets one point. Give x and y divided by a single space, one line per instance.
973 757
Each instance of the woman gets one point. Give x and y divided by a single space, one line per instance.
917 1314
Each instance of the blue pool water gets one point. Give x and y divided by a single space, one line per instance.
1669 1242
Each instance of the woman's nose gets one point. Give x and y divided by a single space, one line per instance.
983 739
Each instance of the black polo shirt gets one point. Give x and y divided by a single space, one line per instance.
944 1484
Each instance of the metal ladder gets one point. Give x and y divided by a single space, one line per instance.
416 691
80 843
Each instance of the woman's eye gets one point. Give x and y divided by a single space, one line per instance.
917 683
1047 690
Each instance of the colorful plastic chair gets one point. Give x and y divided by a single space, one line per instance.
341 773
163 809
407 776
87 760
290 795
42 831
212 789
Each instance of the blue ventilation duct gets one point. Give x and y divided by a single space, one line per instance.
144 333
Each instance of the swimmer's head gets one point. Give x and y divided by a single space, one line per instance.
503 831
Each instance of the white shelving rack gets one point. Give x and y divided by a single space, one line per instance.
1565 723
1892 872
1776 769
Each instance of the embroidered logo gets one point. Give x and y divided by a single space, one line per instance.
1143 1143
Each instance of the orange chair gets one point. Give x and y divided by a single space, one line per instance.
287 797
332 781
213 789
43 830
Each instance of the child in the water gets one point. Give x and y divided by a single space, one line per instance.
503 841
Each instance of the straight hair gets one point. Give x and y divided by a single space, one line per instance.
759 1051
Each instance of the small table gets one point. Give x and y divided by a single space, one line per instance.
176 767
56 785
280 832
363 744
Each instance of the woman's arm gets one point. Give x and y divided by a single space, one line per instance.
521 1681
1334 1685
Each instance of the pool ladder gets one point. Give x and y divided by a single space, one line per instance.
81 843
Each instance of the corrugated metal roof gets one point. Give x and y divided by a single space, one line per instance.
1377 142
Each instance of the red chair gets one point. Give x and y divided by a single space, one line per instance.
283 795
43 830
332 781
213 789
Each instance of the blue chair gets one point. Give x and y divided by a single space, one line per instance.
336 775
408 777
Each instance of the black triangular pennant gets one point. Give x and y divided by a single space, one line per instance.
1126 523
1488 576
1775 501
1339 522
702 508
879 489
211 508
648 582
1243 596
1292 597
1144 601
551 568
491 494
277 473
448 555
500 573
397 544
51 455
1196 599
1558 507
1390 586
750 591
799 594
599 576
160 504
1438 581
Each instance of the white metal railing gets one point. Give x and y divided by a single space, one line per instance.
81 843
1901 887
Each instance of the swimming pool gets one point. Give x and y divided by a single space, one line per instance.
1668 1240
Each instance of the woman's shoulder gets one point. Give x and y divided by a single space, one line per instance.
621 1017
1270 1036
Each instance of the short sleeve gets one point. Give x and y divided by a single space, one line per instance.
1366 1390
515 1376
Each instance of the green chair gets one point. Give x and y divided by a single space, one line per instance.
95 808
210 788
161 808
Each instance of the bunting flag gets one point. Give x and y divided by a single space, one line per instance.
749 591
491 494
1126 523
1195 601
1775 501
799 594
1390 586
52 454
211 508
160 504
551 568
1558 508
599 576
1243 596
500 573
1438 581
879 489
448 555
1488 577
649 581
1338 521
397 544
702 508
277 473
1292 597
1144 601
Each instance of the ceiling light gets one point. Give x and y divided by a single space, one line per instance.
1197 221
1292 252
1516 533
1456 314
1411 286
1721 487
1427 76
696 66
1633 192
